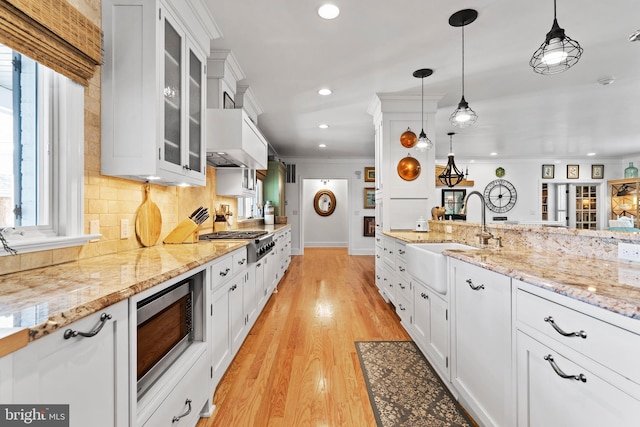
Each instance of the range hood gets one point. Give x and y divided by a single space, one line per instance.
233 140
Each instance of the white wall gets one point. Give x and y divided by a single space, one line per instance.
351 170
325 231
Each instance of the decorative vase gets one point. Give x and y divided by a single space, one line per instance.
631 171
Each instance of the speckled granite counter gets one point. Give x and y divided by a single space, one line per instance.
46 299
612 285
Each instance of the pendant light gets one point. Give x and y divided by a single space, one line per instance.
451 175
424 143
557 53
463 116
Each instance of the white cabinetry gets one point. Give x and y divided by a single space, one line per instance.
430 327
90 374
231 131
573 369
283 252
154 90
236 182
229 277
481 368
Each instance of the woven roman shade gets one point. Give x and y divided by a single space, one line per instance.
53 33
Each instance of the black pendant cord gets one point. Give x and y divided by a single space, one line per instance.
422 105
463 62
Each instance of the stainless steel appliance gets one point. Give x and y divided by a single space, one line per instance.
165 330
261 242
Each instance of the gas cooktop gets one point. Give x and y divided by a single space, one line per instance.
233 234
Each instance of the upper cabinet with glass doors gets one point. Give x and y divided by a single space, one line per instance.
154 90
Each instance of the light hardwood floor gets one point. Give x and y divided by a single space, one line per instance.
299 366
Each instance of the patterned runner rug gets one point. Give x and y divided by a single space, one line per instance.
403 388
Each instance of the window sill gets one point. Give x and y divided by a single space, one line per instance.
26 244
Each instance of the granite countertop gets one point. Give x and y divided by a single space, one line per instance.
43 300
614 286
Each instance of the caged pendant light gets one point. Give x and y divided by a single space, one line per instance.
424 143
463 116
451 175
557 53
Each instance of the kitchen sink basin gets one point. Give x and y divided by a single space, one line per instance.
426 263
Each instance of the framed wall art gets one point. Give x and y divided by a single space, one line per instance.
369 174
369 226
369 198
597 171
548 171
573 171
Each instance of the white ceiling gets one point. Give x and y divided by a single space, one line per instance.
287 53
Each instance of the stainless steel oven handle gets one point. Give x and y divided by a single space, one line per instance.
177 417
70 333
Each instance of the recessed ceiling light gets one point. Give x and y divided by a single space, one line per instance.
325 91
322 145
493 154
328 11
591 154
323 126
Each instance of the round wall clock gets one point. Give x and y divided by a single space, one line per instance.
500 196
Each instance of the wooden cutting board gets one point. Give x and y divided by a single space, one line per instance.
148 220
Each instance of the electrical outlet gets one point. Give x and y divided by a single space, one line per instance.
124 229
629 252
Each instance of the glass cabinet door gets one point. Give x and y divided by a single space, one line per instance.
195 112
172 94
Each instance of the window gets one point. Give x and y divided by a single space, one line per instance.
41 155
251 207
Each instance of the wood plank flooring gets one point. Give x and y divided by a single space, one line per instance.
299 366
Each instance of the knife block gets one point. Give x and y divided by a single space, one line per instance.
185 232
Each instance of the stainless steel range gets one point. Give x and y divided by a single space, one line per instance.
261 242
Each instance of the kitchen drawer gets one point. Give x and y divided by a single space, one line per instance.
403 287
379 240
390 283
239 260
401 269
221 271
609 345
404 309
192 387
401 250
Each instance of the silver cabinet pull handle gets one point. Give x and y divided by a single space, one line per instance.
400 251
555 367
401 287
402 269
423 295
225 272
70 333
474 287
581 334
242 261
401 307
177 417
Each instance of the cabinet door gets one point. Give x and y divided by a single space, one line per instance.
261 292
236 313
91 374
195 157
173 93
220 333
431 326
546 399
481 359
250 298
